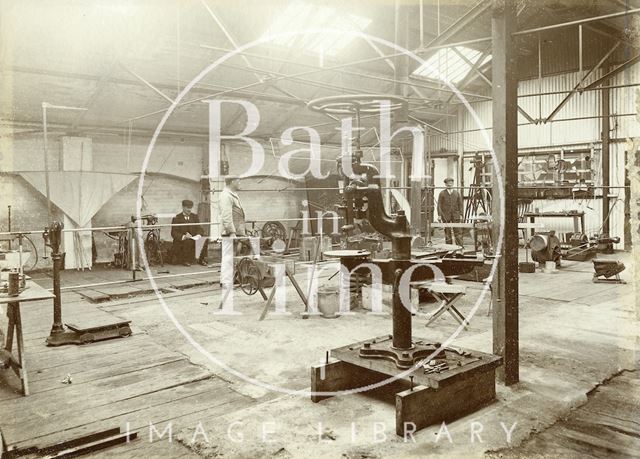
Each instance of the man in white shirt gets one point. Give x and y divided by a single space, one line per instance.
231 211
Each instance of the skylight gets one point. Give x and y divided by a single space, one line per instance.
447 65
301 16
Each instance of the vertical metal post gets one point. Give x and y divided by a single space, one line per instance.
421 23
580 49
9 222
606 126
55 237
46 161
460 142
401 248
505 197
132 250
539 77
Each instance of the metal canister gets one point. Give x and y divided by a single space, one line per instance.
14 284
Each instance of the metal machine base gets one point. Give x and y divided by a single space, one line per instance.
382 348
88 335
454 383
614 280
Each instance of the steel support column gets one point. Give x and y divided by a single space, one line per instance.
505 194
401 71
606 132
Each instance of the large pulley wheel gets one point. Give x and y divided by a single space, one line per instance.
356 103
271 232
248 276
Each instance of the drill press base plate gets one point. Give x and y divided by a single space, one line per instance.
430 399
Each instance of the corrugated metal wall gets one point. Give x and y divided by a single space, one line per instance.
623 100
559 133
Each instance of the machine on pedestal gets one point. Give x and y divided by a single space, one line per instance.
545 246
76 334
450 382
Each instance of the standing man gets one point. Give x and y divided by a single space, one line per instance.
184 247
231 211
450 211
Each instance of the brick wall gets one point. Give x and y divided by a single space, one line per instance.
28 211
162 195
174 171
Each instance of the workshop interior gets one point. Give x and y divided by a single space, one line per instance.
319 229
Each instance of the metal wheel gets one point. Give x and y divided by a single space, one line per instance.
352 103
249 276
153 248
272 231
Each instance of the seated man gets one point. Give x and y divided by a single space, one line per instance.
184 247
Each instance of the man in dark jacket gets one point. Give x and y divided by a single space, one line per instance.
450 211
184 247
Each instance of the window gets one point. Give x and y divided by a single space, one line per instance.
301 16
449 65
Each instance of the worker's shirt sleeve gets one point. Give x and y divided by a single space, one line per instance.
226 213
440 199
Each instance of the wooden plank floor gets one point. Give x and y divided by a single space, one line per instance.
608 425
118 383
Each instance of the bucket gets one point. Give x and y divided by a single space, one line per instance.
308 248
325 246
329 302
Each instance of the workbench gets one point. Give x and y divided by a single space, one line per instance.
32 292
578 217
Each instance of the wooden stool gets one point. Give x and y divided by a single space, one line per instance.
448 294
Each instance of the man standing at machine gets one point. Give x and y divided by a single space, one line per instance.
450 211
231 211
187 228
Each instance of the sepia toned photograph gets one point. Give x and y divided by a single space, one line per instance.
318 229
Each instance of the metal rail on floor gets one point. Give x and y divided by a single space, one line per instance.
129 281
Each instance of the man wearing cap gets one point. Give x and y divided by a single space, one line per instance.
186 225
450 211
